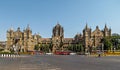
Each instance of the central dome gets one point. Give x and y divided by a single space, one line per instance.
58 30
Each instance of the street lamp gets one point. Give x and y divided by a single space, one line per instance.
102 47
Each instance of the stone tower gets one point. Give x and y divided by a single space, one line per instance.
57 37
10 37
107 32
86 36
27 39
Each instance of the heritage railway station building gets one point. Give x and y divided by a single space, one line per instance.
24 40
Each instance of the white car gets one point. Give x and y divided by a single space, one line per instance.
72 53
49 53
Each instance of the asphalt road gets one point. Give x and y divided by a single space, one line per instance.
60 62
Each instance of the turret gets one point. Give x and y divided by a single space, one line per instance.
58 30
57 37
87 31
107 32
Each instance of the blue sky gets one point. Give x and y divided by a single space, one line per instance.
43 15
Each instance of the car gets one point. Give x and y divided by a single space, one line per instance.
72 53
49 53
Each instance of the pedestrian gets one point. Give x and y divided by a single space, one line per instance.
99 54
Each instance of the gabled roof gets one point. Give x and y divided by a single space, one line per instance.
97 32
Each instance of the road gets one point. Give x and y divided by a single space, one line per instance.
60 62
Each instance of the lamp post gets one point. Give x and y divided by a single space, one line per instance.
102 48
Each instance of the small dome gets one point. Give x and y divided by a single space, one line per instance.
97 27
18 29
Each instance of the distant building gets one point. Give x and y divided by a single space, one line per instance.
2 44
25 41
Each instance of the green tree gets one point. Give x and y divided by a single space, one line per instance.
107 44
118 47
76 48
115 39
36 47
70 47
50 46
45 48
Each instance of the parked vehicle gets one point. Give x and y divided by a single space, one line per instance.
49 53
62 53
73 54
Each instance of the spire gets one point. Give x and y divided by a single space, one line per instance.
57 22
18 29
24 29
80 34
28 27
97 27
58 25
105 25
86 25
110 29
11 28
90 28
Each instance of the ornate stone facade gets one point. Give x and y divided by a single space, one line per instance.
25 41
93 39
21 41
57 37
